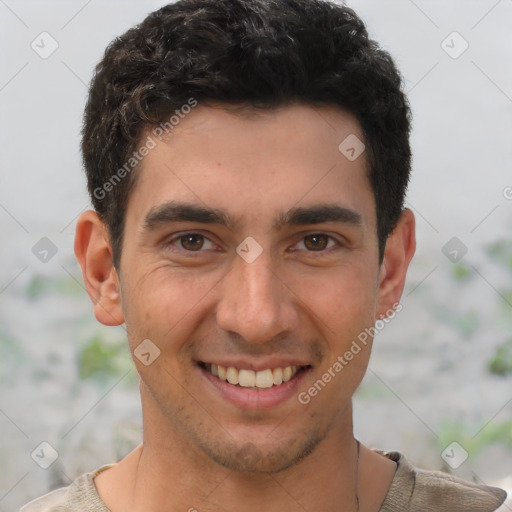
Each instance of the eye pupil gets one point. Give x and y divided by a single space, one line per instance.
192 242
316 242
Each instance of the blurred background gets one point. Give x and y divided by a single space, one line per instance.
439 387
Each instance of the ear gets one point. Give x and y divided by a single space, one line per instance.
400 247
94 253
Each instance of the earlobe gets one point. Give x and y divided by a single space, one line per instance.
94 254
400 247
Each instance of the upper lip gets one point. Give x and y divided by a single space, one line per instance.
257 365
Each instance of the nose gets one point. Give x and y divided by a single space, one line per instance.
256 303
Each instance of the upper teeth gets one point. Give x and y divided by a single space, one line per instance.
250 379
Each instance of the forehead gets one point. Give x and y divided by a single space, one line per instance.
256 164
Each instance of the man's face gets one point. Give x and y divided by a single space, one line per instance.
204 294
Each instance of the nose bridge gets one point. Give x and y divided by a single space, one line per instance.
258 284
254 302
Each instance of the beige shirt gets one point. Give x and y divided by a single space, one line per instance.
412 490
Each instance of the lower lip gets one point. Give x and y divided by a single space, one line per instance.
246 398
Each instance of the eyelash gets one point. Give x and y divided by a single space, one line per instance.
177 238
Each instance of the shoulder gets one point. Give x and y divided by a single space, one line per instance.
506 484
47 502
416 490
80 496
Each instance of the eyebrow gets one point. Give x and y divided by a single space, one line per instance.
318 214
187 212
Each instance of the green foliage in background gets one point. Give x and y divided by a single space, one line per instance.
501 363
40 285
467 323
493 433
501 252
104 361
9 347
461 272
11 355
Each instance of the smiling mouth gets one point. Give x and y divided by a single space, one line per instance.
262 379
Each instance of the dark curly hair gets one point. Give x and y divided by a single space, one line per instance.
258 54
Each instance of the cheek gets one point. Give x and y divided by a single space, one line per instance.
164 304
344 300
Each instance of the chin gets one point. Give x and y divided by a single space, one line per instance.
267 458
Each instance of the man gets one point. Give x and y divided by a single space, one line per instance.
247 161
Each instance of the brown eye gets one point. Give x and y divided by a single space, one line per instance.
316 242
192 242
